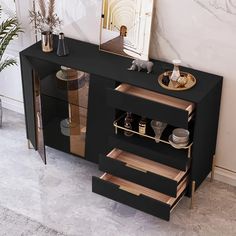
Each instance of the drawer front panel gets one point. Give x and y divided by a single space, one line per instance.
140 202
138 175
180 162
147 108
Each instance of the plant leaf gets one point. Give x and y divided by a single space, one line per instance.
6 63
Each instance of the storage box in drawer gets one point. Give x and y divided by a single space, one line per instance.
151 104
142 171
137 196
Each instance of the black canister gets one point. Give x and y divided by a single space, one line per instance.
62 49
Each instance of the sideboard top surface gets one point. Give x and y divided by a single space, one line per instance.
87 57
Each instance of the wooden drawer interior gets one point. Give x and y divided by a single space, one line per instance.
146 165
157 97
138 190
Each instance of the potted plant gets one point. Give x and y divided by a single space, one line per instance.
9 30
46 22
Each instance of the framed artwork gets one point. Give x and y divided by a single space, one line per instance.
126 27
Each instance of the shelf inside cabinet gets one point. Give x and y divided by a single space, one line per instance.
119 125
51 86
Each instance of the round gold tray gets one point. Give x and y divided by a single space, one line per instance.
188 81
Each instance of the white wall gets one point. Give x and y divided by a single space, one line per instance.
10 80
202 33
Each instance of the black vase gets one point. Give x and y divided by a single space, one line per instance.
62 49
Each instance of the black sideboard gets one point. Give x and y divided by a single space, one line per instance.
139 172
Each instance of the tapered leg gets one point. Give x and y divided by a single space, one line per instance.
192 194
213 169
29 144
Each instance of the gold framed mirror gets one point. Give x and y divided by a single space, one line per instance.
126 27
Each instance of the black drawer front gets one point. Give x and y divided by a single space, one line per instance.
175 160
141 202
147 108
147 179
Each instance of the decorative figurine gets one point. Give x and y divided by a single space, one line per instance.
138 64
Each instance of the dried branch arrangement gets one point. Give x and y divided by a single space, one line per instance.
45 19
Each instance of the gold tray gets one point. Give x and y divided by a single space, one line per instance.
189 82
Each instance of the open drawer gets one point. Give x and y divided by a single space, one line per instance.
142 171
150 104
137 196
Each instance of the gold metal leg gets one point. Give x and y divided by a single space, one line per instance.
192 194
29 145
213 169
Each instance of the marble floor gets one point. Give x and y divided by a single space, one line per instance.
59 195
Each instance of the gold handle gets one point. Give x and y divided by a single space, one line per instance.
136 168
129 190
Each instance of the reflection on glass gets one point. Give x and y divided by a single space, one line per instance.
74 126
126 27
38 121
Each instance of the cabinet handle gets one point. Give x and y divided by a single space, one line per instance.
136 168
129 190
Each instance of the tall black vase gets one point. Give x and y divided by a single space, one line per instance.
62 49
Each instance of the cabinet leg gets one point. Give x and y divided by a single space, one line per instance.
213 169
29 144
192 194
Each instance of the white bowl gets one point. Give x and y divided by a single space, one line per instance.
180 135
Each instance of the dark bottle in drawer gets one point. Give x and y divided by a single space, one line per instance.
150 104
137 196
142 171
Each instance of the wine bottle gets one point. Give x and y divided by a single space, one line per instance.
128 124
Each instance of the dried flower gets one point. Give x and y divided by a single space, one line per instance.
45 19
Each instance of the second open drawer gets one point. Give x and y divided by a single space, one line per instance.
142 171
174 111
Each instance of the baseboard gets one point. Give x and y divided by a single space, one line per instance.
225 176
13 105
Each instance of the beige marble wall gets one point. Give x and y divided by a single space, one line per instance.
202 33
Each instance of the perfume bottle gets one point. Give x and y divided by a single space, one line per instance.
142 126
176 72
128 124
62 49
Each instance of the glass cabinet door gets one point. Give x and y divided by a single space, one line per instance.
38 118
65 104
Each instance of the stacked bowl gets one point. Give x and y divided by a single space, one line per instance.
179 138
